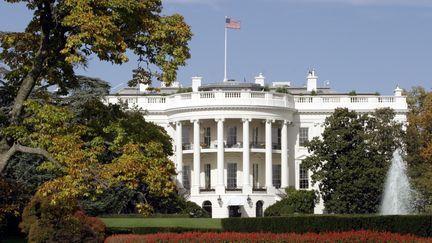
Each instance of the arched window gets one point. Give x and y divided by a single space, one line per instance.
207 206
259 209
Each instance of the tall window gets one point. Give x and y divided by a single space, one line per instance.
207 136
304 177
207 174
303 135
276 137
254 136
232 136
276 175
232 175
186 177
255 175
185 138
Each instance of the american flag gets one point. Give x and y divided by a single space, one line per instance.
232 24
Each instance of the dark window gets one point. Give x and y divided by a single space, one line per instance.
207 173
207 136
232 136
255 136
276 175
304 178
259 209
255 175
232 175
303 135
207 206
186 177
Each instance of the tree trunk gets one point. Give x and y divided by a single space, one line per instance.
29 82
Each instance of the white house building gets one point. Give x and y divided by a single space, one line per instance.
238 145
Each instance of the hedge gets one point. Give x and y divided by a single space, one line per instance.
420 225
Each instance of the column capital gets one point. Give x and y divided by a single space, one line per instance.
219 119
177 123
246 119
269 120
195 121
286 122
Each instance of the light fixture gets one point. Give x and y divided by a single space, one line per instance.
220 201
249 200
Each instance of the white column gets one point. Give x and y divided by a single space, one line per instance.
284 156
220 186
247 189
179 153
268 154
196 156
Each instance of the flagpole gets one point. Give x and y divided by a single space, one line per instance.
225 63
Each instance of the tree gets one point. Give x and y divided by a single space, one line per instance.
351 159
295 201
419 145
63 34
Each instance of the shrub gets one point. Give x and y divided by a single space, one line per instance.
45 221
295 201
194 211
350 236
420 225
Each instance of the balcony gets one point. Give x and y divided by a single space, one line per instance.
206 99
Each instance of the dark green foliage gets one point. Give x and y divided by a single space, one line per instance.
184 90
44 221
352 158
295 201
282 90
194 211
420 225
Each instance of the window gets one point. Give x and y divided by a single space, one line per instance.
185 138
255 176
254 136
304 177
207 136
232 136
186 177
259 209
303 135
207 174
232 176
276 137
276 175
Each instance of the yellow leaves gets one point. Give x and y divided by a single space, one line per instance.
144 209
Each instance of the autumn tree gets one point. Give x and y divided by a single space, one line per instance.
351 159
63 34
419 145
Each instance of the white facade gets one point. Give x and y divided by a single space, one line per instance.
237 149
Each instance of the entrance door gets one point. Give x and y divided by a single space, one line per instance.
234 211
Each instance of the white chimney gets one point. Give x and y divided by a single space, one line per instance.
398 91
143 87
260 79
196 83
311 81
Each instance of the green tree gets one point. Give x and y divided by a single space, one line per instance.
419 145
63 34
351 159
295 201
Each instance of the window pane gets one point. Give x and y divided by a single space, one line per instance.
304 178
232 175
207 172
255 175
276 175
207 136
186 177
185 137
232 136
303 135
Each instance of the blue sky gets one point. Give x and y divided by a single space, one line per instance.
362 45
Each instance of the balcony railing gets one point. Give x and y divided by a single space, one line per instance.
210 98
239 144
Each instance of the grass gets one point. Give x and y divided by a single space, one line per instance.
198 223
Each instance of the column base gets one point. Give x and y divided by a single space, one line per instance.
247 189
271 190
220 189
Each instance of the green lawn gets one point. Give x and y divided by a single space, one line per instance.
199 223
